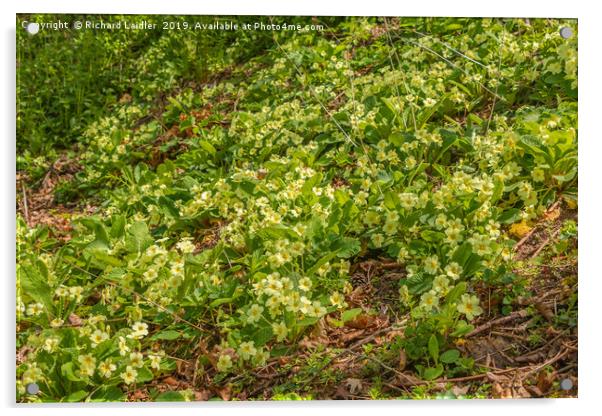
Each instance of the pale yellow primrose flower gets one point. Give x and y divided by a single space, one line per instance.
224 363
469 306
129 375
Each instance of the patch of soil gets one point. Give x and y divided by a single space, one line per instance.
545 231
530 351
36 201
376 285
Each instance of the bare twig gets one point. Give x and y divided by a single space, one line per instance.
530 233
551 361
509 335
545 243
514 315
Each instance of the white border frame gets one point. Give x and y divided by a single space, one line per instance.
590 35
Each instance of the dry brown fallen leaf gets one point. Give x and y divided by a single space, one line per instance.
202 395
361 321
500 392
170 381
545 310
403 360
552 215
354 385
139 395
225 393
460 391
545 380
75 320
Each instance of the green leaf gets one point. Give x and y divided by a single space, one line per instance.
509 216
68 372
276 232
462 328
347 247
532 145
450 356
348 315
106 259
144 375
138 238
117 226
208 147
498 191
418 283
566 177
428 112
432 236
307 321
432 373
456 292
221 301
108 394
396 139
105 348
262 335
77 396
34 285
462 254
170 396
434 347
312 270
168 335
308 186
100 232
454 26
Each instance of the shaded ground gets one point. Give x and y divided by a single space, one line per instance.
36 201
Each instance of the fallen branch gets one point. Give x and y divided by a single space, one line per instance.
535 228
514 315
545 243
349 350
371 337
491 374
551 361
525 238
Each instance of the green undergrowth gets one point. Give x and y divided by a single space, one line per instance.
241 177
